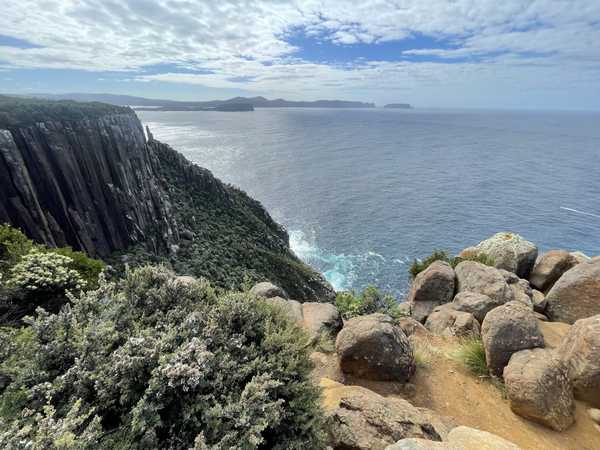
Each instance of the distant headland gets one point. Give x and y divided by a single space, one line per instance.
398 106
232 104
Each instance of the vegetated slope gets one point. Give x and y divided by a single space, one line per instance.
83 175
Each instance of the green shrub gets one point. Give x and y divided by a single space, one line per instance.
471 354
89 269
44 273
13 245
419 266
152 363
368 302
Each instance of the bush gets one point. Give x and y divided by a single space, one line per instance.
89 269
149 362
419 266
44 273
471 354
368 302
13 245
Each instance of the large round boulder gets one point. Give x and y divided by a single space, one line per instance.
475 277
375 348
550 267
539 389
291 308
576 294
321 319
432 287
459 438
447 321
580 350
510 252
359 419
477 304
268 290
506 330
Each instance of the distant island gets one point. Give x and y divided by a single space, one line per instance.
398 106
232 104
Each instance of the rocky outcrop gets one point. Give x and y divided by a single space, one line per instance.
475 277
477 304
359 419
266 289
576 294
506 330
510 252
89 184
447 321
539 389
459 438
375 348
432 287
550 267
580 350
321 319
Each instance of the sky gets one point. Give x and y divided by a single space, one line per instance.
517 54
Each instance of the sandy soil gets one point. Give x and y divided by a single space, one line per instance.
446 387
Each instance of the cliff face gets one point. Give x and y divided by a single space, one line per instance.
88 184
87 178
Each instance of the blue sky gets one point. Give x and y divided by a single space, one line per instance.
439 53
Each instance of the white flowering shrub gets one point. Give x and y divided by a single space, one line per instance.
45 272
155 363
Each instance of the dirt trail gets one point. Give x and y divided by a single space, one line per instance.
446 387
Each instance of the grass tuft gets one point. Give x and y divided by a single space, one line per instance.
471 354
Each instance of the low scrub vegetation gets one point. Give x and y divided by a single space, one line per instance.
150 362
370 301
419 266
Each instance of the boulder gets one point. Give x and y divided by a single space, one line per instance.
506 330
550 267
576 295
580 350
374 347
447 321
459 438
320 318
553 333
359 419
539 301
291 308
268 290
510 252
465 438
539 389
594 414
411 327
477 304
432 287
475 277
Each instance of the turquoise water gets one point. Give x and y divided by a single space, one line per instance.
363 192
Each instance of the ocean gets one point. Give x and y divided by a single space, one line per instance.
364 192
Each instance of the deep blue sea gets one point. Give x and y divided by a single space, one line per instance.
363 192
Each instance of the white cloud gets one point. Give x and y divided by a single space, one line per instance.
526 44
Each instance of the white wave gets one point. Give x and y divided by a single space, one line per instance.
580 212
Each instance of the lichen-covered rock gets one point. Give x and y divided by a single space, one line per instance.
539 389
506 330
475 277
412 327
550 267
510 252
580 257
321 318
375 348
580 350
432 287
360 419
418 444
447 321
553 332
539 301
266 289
576 294
477 304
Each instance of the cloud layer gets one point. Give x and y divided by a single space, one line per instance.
517 46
